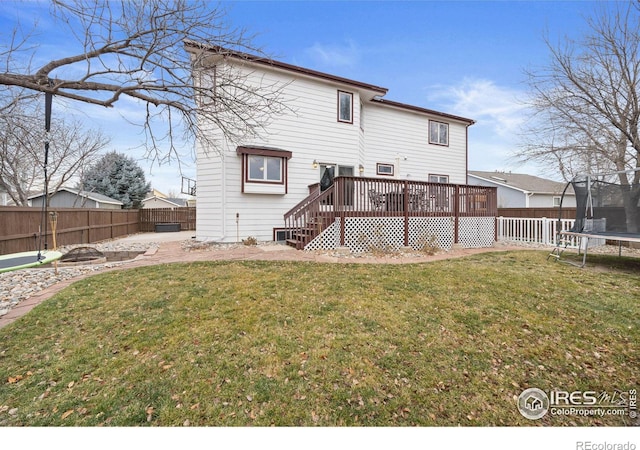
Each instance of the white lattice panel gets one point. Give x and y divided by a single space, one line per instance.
476 232
427 230
363 234
328 239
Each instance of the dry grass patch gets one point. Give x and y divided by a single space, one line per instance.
262 343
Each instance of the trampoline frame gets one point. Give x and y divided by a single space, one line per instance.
582 216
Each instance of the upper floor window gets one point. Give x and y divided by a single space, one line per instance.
438 133
345 107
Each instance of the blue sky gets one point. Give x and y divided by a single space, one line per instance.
461 57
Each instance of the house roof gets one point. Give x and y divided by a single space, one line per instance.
225 52
172 201
419 109
88 195
521 182
156 193
263 151
376 90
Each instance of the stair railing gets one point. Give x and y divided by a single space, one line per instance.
309 217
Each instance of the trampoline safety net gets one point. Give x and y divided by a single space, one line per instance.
608 204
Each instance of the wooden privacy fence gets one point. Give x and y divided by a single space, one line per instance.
20 227
186 217
538 213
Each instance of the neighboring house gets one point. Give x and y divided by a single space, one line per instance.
333 127
517 190
156 193
73 198
5 199
163 202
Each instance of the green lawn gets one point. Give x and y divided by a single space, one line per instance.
265 343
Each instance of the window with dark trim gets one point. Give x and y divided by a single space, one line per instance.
384 169
262 165
345 107
266 169
438 178
438 133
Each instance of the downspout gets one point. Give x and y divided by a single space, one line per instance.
466 153
527 196
223 193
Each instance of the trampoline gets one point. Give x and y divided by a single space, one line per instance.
607 208
24 260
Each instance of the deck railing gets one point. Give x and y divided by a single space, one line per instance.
376 197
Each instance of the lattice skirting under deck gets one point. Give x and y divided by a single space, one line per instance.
363 234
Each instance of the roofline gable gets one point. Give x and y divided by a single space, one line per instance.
516 188
422 110
161 199
84 194
193 46
377 91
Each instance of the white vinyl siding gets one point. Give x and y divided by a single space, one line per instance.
310 131
399 137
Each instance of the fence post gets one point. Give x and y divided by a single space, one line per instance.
545 231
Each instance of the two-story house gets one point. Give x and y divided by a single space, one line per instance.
332 127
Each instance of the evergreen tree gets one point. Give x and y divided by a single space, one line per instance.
119 177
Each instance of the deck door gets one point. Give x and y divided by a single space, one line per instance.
329 171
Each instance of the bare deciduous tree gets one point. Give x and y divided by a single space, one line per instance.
587 102
22 135
136 49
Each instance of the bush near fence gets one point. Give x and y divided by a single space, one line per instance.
20 226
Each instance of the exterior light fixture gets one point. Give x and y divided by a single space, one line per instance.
315 164
361 169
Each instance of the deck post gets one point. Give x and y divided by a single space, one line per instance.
456 208
339 203
406 212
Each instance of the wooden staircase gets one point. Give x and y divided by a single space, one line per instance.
301 236
310 217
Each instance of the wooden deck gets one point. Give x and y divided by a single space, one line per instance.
353 197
